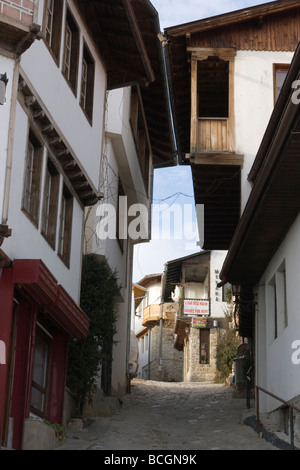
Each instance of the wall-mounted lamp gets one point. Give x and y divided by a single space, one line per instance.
3 84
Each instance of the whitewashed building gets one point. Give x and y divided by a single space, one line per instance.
60 59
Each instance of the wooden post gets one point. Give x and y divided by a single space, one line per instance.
194 107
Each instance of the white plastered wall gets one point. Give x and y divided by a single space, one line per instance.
6 66
254 103
276 371
27 241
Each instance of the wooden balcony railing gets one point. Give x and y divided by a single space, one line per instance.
214 135
152 314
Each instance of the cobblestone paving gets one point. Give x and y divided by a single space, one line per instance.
172 416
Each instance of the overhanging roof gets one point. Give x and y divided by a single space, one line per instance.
196 271
115 30
126 35
36 279
236 16
150 279
217 187
139 293
274 202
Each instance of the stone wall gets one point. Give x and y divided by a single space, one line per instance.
39 436
193 370
172 360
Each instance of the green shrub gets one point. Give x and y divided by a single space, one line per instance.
226 352
99 294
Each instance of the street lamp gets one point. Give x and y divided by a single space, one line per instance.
3 84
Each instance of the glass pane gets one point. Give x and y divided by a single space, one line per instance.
40 362
37 399
46 208
280 77
28 176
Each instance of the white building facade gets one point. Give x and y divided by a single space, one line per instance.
58 143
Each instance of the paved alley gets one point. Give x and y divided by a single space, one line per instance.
172 416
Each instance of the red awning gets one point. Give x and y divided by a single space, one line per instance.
38 281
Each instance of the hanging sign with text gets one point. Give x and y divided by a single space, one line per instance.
196 307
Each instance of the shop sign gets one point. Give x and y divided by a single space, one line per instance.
2 353
196 307
199 322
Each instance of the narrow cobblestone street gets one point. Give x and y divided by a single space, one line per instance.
172 416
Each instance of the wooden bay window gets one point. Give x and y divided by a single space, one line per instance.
65 228
49 216
71 52
212 100
87 83
32 182
52 26
140 133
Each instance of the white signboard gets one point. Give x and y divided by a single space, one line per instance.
2 353
196 307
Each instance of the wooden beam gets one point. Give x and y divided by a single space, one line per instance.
222 20
211 158
139 40
194 107
5 261
202 53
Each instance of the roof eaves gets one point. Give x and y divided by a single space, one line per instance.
232 17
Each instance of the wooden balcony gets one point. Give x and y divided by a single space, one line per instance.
213 135
151 314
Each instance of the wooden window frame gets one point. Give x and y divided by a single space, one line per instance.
121 193
65 227
53 15
50 204
278 68
71 51
33 177
214 111
43 389
277 302
87 83
140 134
199 54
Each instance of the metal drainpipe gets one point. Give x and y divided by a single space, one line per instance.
10 142
161 327
160 342
129 306
149 356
